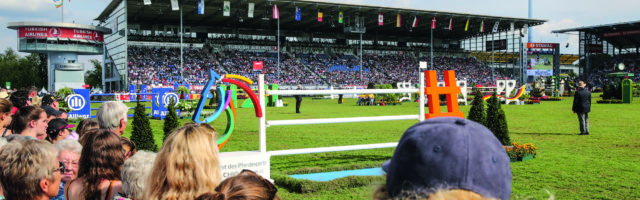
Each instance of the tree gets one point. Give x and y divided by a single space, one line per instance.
477 112
95 76
171 120
142 135
496 120
22 72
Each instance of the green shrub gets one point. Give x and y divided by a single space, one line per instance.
171 120
496 120
477 113
141 135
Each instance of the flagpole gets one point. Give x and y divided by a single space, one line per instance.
431 45
361 67
278 71
181 47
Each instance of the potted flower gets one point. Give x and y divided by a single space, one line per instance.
521 152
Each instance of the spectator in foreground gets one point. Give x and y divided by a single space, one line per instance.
246 185
100 167
5 116
30 170
69 155
135 173
30 122
112 115
57 130
186 166
430 158
83 127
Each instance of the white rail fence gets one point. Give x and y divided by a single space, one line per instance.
264 124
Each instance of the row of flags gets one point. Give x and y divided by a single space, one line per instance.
298 15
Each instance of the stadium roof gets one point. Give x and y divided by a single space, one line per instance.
160 12
622 35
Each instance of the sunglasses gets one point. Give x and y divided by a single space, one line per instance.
272 188
61 168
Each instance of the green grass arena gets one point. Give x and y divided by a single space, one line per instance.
603 165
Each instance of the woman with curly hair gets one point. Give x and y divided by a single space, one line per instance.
100 167
186 166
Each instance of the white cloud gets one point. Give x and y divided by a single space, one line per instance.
542 34
26 5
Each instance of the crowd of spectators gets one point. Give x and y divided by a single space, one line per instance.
39 159
292 72
598 76
161 66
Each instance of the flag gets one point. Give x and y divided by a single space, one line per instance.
319 16
257 65
201 7
340 17
174 5
466 27
496 26
451 24
398 20
433 23
526 28
251 6
146 2
276 12
380 19
58 3
226 10
415 22
298 13
482 27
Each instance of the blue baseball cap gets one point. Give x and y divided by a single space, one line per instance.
449 153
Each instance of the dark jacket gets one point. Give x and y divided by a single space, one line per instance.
582 101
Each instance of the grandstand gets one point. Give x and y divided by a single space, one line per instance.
322 48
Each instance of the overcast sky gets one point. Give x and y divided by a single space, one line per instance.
560 14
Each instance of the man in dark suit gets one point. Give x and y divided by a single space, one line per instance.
298 100
582 107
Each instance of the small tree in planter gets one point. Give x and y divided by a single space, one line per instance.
496 120
183 91
171 120
477 113
142 135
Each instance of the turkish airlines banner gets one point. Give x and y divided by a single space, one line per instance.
621 33
541 45
55 32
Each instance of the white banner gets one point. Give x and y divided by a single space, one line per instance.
147 2
495 27
226 9
251 5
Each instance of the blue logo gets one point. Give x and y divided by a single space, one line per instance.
76 102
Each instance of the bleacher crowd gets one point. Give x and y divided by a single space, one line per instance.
161 66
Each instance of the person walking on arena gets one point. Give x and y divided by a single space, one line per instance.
298 100
582 107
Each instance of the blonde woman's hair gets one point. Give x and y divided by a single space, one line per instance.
23 164
186 166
